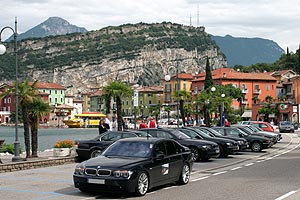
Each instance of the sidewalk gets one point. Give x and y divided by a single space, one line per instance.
45 159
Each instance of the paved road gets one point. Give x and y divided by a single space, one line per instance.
273 174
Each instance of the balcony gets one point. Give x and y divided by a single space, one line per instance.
244 91
244 102
256 91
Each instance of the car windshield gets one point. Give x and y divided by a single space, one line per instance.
189 133
129 149
203 134
255 128
285 123
211 132
244 133
142 134
180 135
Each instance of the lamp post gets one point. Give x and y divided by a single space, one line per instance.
168 78
2 51
213 89
135 101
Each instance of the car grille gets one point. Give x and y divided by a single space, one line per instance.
99 172
103 172
91 171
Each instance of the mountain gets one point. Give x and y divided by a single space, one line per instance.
248 51
238 51
51 27
132 53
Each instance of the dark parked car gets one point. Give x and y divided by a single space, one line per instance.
135 165
253 130
243 144
256 143
286 126
201 149
226 146
91 148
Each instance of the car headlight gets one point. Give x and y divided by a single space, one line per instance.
229 144
206 147
79 169
122 174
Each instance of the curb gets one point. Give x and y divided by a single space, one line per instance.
23 165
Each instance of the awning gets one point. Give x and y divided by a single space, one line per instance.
247 114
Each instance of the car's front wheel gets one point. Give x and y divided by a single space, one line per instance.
184 177
256 146
195 154
142 185
94 153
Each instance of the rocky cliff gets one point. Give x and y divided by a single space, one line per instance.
140 53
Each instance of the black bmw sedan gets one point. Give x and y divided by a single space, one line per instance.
87 149
202 149
135 165
226 146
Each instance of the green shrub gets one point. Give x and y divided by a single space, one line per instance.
8 148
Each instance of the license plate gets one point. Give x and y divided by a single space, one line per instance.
96 181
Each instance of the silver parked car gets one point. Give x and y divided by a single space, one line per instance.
286 126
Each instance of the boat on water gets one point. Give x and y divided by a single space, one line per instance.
85 120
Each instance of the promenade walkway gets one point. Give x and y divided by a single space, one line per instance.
45 159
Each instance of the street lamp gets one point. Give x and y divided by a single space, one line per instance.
2 51
168 78
222 118
135 101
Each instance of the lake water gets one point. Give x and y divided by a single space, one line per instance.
48 136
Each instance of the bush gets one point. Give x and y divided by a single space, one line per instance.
64 144
8 148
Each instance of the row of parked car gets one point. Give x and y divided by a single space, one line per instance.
127 160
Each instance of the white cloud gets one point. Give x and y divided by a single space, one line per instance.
276 20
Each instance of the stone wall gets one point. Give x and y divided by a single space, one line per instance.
10 167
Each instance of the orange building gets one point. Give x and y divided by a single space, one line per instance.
251 84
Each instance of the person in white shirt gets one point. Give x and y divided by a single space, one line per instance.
108 120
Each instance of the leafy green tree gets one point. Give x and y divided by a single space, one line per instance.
208 82
182 96
26 94
36 110
118 90
255 99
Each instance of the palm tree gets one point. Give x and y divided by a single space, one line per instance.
269 99
168 109
118 90
255 99
182 96
27 92
36 110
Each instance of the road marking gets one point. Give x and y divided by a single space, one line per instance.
199 179
218 173
286 195
167 188
249 164
235 168
259 161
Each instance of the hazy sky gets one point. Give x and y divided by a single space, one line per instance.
277 20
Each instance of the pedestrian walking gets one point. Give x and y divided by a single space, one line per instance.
152 123
143 125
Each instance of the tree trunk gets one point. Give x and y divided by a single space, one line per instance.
182 112
26 130
34 138
119 113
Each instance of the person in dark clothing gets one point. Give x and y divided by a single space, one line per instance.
103 127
